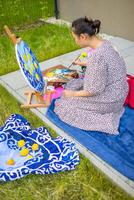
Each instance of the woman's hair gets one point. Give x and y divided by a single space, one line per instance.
85 25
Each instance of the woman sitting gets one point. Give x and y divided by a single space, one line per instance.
95 102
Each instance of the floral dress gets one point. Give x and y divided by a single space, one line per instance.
105 78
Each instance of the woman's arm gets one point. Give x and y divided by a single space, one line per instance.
80 93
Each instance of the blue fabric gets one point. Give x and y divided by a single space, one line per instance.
53 154
116 150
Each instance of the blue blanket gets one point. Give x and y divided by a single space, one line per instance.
116 150
24 150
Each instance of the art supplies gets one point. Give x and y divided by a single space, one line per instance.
59 75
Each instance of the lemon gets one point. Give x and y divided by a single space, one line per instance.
10 162
37 77
29 157
26 67
50 74
25 58
24 152
32 67
29 57
35 147
21 143
35 64
31 71
83 55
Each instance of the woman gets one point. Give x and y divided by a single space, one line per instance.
96 102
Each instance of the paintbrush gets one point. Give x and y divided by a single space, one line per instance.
74 61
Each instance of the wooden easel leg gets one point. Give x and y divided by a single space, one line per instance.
39 98
29 98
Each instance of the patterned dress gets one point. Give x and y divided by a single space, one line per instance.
105 78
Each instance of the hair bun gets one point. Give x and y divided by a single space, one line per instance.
96 24
89 21
86 25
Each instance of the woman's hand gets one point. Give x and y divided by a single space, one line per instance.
78 62
68 93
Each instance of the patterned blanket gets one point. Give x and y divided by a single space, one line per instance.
24 150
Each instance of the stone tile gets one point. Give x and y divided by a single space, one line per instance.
14 79
21 91
130 64
42 111
127 52
131 183
121 43
49 63
65 60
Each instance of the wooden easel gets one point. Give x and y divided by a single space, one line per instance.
39 99
30 94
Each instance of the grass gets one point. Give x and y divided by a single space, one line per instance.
22 12
85 182
46 41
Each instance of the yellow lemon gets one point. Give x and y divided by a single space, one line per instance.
32 67
25 58
31 71
29 157
37 77
84 54
21 143
35 64
26 67
24 152
50 74
29 57
10 162
35 147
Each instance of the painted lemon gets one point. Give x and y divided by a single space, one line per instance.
32 66
21 143
35 64
37 76
31 71
50 74
29 57
35 147
24 152
29 157
10 162
26 67
25 58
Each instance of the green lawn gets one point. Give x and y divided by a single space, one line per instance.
85 182
22 12
46 42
